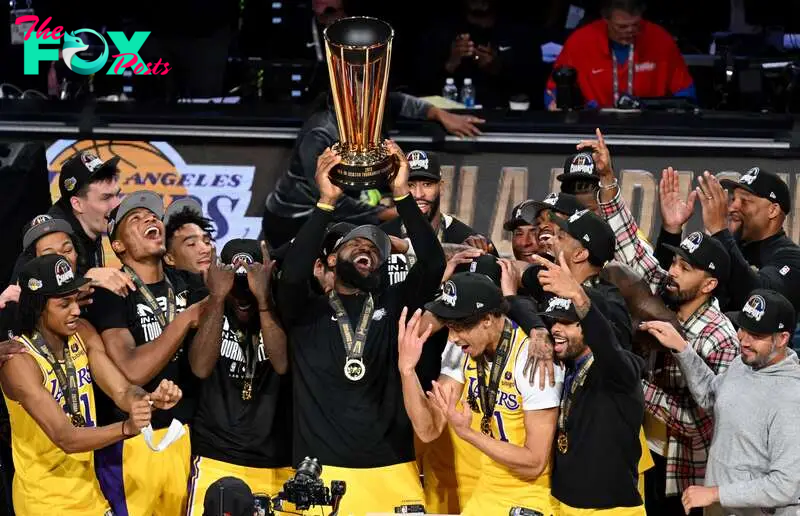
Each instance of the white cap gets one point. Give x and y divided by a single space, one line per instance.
467 81
449 80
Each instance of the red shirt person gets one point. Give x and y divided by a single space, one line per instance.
596 49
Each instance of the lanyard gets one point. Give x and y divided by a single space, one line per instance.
488 394
66 376
631 66
248 342
567 398
354 342
150 299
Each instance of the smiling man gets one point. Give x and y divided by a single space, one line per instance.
146 334
190 246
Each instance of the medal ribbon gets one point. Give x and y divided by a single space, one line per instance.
566 401
248 342
67 377
150 299
488 394
353 343
631 66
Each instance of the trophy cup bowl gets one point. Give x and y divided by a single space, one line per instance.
359 51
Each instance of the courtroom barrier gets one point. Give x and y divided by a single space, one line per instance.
232 181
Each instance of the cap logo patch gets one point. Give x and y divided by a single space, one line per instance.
692 242
780 326
473 266
750 176
34 284
63 272
784 270
712 266
40 219
240 261
586 238
417 160
772 195
558 303
91 161
755 307
70 183
478 304
582 163
449 296
578 214
551 199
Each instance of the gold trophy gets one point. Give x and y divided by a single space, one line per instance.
358 51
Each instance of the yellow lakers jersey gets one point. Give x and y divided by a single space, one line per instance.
46 477
507 419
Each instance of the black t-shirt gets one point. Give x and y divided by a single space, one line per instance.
253 433
109 311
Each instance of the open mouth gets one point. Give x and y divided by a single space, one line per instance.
423 206
152 233
363 261
559 344
72 325
545 235
243 306
672 287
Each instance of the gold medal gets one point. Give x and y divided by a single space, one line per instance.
562 443
78 420
247 390
486 426
354 369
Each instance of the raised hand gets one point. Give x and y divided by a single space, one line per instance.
714 200
409 341
329 193
259 277
400 180
600 154
166 395
675 211
557 278
460 258
219 278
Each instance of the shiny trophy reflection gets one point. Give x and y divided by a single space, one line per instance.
358 51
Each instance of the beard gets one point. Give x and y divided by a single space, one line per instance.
675 299
348 274
434 207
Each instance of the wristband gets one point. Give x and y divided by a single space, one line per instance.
324 207
397 199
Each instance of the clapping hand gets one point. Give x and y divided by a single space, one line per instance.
675 211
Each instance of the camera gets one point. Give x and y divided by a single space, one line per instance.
522 511
306 488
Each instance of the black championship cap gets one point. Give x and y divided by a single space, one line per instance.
594 234
50 275
704 253
765 312
42 225
187 203
423 165
766 185
228 496
81 169
241 252
485 264
464 295
563 203
372 233
140 199
523 214
333 234
560 309
579 166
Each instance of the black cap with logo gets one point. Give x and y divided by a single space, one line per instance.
146 199
50 275
81 169
464 295
241 252
593 233
229 496
704 253
523 214
579 166
374 234
42 225
764 313
563 203
485 264
766 185
333 233
423 165
560 309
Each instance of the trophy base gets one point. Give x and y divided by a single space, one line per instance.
363 170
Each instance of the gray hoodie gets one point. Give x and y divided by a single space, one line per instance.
755 456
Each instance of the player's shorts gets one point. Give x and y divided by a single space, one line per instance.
566 510
262 481
486 500
40 504
374 490
138 481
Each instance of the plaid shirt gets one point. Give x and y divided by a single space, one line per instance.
708 331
